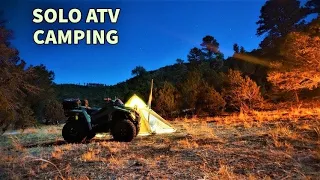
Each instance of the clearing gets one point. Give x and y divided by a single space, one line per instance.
262 145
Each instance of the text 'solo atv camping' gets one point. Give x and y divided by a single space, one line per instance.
123 121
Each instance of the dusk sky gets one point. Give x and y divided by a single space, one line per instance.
151 34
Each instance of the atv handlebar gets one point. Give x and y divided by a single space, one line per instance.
116 101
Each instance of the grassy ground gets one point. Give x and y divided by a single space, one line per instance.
259 145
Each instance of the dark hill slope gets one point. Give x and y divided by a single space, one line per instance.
138 84
174 74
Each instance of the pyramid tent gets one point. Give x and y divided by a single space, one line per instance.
150 121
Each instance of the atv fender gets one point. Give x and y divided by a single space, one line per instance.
86 115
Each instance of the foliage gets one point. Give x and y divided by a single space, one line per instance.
313 28
166 101
190 89
195 55
210 75
53 112
23 90
211 52
313 6
302 51
14 85
42 79
241 93
25 117
278 18
179 61
236 48
295 80
301 71
242 50
209 101
210 47
138 71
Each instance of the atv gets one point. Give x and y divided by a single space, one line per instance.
83 122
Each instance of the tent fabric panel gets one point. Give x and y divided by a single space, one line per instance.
144 125
156 125
156 115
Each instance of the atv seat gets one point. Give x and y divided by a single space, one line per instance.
92 111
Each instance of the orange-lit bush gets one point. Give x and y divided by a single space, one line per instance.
301 51
241 92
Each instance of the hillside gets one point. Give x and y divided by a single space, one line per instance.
179 74
123 90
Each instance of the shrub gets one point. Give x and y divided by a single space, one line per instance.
189 89
166 102
300 70
53 112
209 101
241 93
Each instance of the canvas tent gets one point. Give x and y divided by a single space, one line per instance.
151 122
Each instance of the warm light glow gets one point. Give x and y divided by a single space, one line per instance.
137 102
256 60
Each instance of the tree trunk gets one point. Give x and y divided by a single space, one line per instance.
297 96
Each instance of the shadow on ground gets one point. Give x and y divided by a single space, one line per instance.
62 142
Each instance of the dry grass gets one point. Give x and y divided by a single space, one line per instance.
258 145
292 114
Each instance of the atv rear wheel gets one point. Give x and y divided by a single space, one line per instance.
124 131
74 131
90 135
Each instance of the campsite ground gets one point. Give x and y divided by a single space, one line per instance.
262 145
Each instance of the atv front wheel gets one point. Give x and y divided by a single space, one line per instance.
137 129
124 131
74 131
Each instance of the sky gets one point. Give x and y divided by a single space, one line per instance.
151 34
